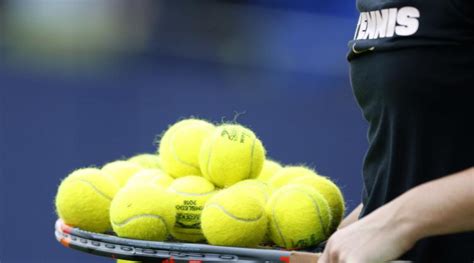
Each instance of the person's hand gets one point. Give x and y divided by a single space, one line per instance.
375 238
388 232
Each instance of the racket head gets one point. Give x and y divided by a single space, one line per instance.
111 246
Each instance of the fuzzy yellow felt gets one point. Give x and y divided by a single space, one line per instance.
286 174
180 146
83 199
233 218
253 187
147 160
232 153
152 177
270 168
121 170
190 194
142 212
299 217
330 192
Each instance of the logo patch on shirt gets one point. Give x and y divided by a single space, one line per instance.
386 23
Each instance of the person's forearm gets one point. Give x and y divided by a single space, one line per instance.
442 206
352 217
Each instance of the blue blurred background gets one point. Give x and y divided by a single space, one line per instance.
89 81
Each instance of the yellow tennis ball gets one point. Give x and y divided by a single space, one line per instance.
127 261
147 160
234 218
270 168
299 217
232 153
286 174
190 194
253 187
121 171
83 199
330 192
257 189
151 176
180 146
142 212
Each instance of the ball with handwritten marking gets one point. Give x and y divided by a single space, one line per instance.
232 153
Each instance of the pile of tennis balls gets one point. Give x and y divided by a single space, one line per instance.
207 183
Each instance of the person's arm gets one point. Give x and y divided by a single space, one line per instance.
352 217
442 206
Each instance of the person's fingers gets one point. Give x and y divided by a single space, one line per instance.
333 256
329 255
323 258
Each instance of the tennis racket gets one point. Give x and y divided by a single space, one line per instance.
151 251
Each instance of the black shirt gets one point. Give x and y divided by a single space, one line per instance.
412 71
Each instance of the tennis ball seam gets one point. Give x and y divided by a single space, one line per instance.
251 157
176 157
213 141
275 220
218 206
191 194
130 219
93 187
324 226
321 221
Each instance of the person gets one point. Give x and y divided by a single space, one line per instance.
412 72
